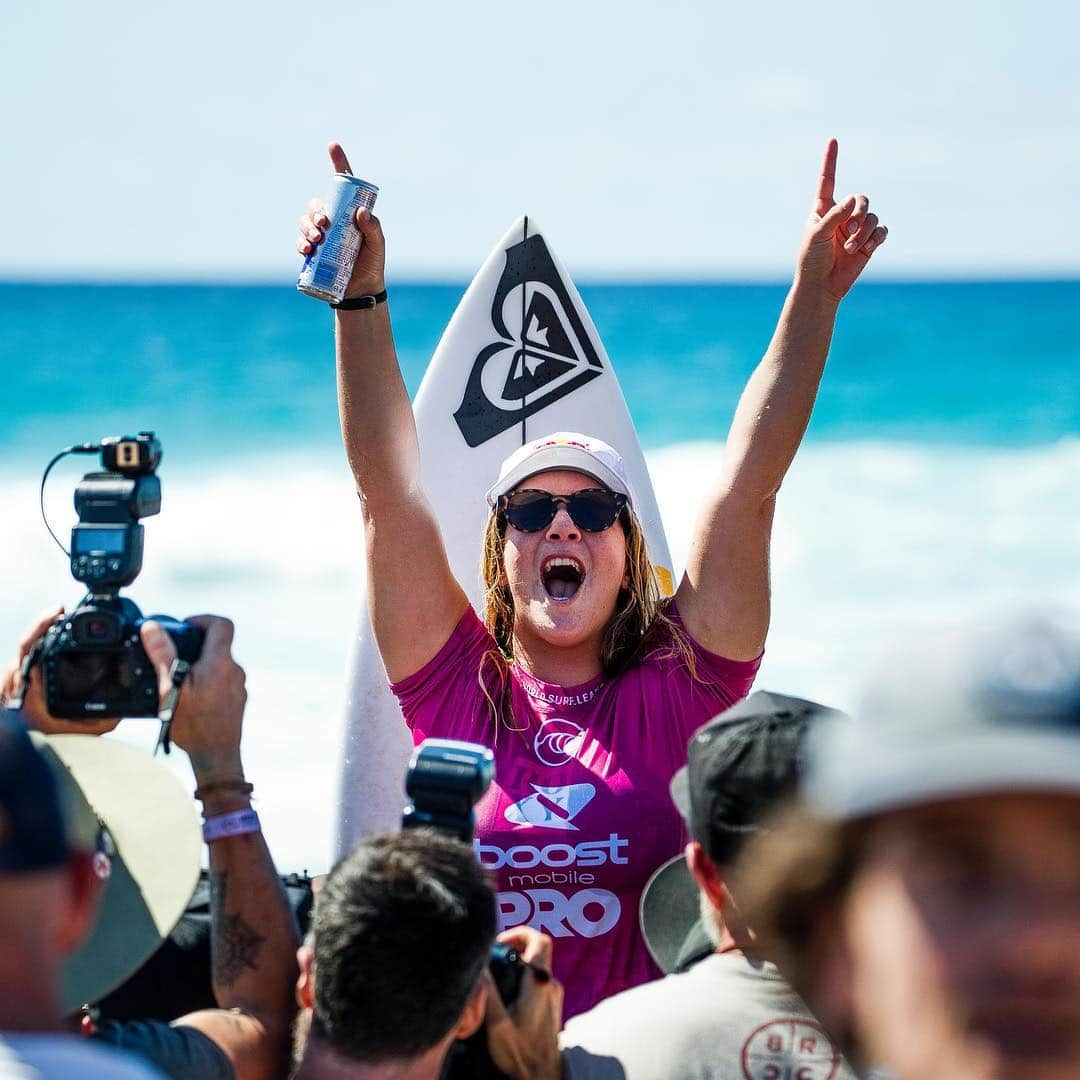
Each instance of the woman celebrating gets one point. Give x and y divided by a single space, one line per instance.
586 685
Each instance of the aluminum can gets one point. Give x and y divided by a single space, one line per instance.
326 271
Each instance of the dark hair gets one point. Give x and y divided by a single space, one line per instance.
402 930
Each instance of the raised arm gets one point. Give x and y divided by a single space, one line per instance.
724 595
414 600
253 935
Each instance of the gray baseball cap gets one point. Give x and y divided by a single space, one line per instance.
995 709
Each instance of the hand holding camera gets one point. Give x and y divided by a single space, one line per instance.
523 1038
210 711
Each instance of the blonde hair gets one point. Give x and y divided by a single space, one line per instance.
639 625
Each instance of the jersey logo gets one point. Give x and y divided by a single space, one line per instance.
586 913
551 807
558 741
543 352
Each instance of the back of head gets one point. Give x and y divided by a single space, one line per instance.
402 930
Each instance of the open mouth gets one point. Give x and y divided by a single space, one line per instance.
562 576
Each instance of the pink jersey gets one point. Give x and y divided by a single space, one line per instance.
579 814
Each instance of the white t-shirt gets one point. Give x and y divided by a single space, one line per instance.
725 1019
64 1057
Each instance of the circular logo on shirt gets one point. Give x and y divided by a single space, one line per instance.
558 741
795 1048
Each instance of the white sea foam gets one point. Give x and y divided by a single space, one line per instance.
871 540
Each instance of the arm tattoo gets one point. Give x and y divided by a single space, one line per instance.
234 943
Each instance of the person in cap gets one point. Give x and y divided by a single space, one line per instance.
50 884
926 901
723 1009
585 682
139 825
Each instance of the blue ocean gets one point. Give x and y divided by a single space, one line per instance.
938 480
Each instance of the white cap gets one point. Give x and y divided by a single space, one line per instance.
563 450
992 711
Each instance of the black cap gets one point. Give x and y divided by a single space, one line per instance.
740 767
31 825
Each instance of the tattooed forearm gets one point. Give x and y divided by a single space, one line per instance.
233 942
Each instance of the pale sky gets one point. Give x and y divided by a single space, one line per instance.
159 141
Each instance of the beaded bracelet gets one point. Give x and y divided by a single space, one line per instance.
228 783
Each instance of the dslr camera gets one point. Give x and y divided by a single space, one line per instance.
92 660
444 781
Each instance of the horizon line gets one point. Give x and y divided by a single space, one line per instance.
938 277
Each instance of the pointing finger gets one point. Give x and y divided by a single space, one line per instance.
338 158
827 180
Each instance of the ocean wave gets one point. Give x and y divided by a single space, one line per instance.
872 540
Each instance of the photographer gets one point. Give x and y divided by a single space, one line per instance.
393 971
253 934
49 889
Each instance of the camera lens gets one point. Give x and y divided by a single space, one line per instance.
97 630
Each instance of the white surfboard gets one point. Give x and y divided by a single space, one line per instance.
519 359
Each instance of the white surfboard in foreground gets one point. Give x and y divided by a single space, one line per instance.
519 359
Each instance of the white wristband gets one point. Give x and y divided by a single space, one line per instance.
235 824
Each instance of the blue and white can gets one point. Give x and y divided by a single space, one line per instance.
326 271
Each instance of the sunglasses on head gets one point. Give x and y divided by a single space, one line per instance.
592 509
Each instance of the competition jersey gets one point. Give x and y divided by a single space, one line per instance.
579 814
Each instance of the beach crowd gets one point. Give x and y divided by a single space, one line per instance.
672 874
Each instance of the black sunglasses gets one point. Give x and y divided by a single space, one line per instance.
592 509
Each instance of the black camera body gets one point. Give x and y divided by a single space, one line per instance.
93 661
445 779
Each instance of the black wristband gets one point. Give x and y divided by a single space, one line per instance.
360 303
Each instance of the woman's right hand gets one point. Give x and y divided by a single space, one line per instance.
368 272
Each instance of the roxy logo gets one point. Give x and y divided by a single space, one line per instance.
542 353
586 913
551 807
558 741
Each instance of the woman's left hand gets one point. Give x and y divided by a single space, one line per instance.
840 237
